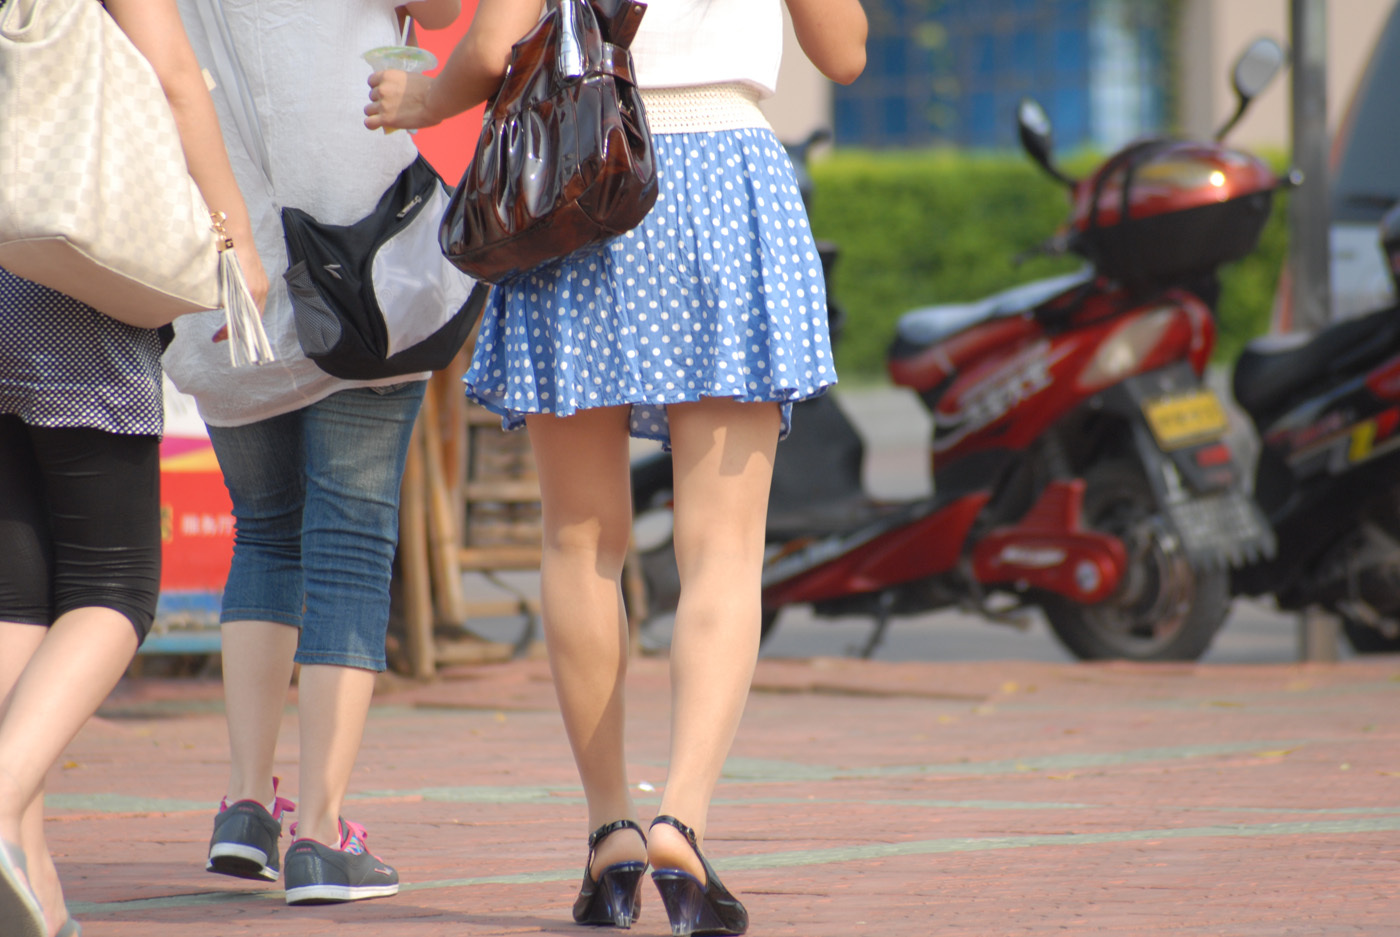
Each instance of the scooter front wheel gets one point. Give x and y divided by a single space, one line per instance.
1165 609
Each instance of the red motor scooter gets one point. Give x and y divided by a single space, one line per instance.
1080 463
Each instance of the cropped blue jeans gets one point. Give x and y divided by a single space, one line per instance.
315 497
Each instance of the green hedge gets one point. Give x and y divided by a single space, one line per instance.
917 228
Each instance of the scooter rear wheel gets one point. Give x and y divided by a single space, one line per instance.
1164 609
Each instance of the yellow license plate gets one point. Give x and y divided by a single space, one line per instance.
1185 419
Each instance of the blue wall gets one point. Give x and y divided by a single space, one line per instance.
952 72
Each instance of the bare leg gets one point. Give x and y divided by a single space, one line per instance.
65 676
723 464
586 497
18 642
333 703
43 876
68 676
257 657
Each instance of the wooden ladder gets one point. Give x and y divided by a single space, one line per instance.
470 504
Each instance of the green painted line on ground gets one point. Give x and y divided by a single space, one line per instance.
742 770
915 802
1247 701
1302 812
481 794
809 857
1054 805
124 709
762 769
122 803
118 804
814 857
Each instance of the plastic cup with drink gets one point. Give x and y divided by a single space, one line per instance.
404 57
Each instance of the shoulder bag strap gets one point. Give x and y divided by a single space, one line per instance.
227 70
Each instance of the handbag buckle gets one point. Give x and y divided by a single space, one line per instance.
216 223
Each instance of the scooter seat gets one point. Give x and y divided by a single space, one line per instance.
930 325
1275 369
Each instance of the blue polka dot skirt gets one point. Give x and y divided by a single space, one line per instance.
718 293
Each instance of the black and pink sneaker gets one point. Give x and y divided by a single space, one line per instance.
318 874
244 843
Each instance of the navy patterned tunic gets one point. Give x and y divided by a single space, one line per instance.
63 363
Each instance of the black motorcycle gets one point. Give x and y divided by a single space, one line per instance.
1327 410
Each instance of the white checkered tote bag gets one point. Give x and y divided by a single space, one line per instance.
95 197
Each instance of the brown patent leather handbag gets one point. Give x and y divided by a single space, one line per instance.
565 159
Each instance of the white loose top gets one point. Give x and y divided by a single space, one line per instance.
302 61
682 43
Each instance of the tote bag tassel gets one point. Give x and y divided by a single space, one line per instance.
247 341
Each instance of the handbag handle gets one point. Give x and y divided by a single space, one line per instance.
572 63
619 19
19 21
571 59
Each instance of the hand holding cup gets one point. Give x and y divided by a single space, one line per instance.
398 91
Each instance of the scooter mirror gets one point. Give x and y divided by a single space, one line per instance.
1257 66
1037 137
1034 125
1254 69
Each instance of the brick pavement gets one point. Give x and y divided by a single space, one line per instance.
994 798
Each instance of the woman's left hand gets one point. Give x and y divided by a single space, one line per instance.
398 101
254 275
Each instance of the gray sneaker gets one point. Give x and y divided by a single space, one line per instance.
318 874
244 843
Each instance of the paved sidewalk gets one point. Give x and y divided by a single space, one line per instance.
995 798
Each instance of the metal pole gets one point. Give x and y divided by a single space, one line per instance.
1309 206
1309 254
1319 637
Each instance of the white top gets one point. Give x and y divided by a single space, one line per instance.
302 61
709 42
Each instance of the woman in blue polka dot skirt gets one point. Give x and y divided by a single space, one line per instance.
718 294
80 424
699 328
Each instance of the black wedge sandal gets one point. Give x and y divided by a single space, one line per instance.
701 910
615 898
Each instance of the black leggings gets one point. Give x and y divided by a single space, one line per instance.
79 523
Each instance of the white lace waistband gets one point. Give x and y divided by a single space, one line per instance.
702 108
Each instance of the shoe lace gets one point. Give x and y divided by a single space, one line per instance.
352 838
280 805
